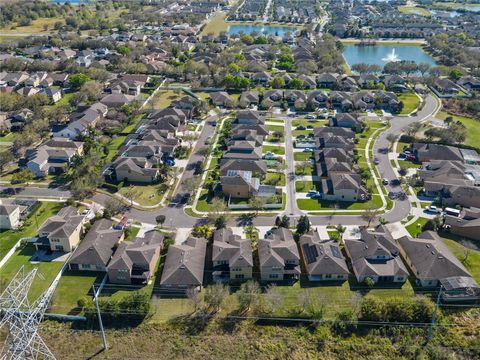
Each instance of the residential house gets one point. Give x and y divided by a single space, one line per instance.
232 257
9 216
116 100
317 99
466 225
61 232
327 81
184 265
53 156
249 98
278 256
258 168
135 170
248 117
346 120
221 99
428 152
97 248
376 256
432 262
239 184
323 259
134 262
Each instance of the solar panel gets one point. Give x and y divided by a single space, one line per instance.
309 254
336 251
314 250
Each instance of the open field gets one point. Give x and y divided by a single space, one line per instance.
10 237
36 27
215 25
163 98
410 102
414 10
146 195
472 125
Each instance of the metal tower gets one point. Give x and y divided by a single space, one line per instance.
22 319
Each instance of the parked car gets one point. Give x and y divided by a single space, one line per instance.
395 182
269 156
385 181
402 156
310 116
208 140
433 209
301 127
376 161
308 150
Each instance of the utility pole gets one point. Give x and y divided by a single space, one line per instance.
434 316
100 323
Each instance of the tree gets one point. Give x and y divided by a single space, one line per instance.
194 296
160 219
370 214
248 294
272 300
217 209
124 50
424 68
77 81
204 231
391 138
131 193
23 176
369 281
251 232
455 74
91 90
283 221
215 295
6 157
303 225
277 82
296 83
257 203
190 184
403 170
413 128
112 207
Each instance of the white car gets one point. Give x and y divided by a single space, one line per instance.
270 156
309 116
433 209
385 181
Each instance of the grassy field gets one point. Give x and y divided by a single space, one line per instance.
409 164
313 204
410 102
47 270
275 128
306 186
163 98
36 27
413 10
472 125
8 137
10 237
216 25
72 286
274 149
416 228
302 156
146 195
307 122
113 147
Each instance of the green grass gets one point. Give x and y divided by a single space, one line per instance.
410 102
302 132
276 179
409 164
416 228
47 271
72 286
306 186
63 101
276 128
472 263
302 156
307 122
8 137
131 233
274 149
314 204
163 98
414 10
146 195
113 147
29 228
37 26
280 121
472 125
308 170
216 25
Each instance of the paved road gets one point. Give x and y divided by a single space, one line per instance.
291 207
198 154
38 192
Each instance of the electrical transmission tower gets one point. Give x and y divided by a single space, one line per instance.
22 319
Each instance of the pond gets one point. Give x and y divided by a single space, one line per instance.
377 54
263 29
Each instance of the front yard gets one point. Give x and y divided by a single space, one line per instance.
279 150
410 102
314 204
146 195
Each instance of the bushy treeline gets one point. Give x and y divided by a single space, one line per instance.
418 310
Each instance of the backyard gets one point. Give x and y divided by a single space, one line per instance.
314 204
410 102
472 125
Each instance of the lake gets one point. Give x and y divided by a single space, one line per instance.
264 29
355 54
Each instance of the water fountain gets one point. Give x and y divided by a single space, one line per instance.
392 57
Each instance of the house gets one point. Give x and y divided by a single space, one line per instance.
61 232
428 152
346 120
243 150
261 77
327 81
278 256
323 259
54 95
135 170
258 168
466 225
221 99
134 261
273 96
446 86
97 248
309 82
53 156
239 184
9 216
343 187
469 82
249 98
375 256
231 256
430 260
183 268
367 80
117 100
317 99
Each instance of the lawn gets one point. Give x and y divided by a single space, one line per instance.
276 128
302 156
216 25
37 26
164 98
29 229
46 270
416 228
307 170
131 233
279 150
8 137
276 179
306 186
472 263
313 204
302 132
409 164
413 10
410 102
472 125
146 195
72 286
113 147
308 122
